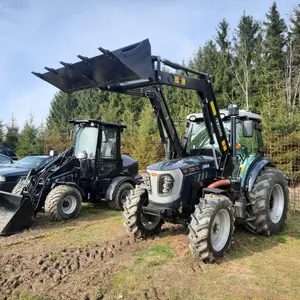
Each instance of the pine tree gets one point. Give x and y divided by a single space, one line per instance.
62 109
27 142
223 72
89 104
12 134
274 39
246 39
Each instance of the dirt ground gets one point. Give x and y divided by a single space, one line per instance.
93 258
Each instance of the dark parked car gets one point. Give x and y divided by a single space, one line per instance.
8 152
10 175
5 161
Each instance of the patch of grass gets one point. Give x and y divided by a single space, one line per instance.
236 252
154 256
96 209
52 258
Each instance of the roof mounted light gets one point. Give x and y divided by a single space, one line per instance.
192 118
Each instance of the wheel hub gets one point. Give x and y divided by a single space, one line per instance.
220 230
68 204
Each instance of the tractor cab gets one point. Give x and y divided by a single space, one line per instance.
249 142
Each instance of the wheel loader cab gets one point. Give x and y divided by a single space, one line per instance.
97 147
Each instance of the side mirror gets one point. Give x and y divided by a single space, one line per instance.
71 134
53 153
248 129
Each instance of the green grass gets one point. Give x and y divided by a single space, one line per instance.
154 256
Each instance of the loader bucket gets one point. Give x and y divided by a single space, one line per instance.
15 213
127 64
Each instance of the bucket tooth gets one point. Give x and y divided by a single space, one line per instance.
51 70
67 65
83 58
39 75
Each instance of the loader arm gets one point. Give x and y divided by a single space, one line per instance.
133 70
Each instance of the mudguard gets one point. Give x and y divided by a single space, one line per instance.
117 181
255 170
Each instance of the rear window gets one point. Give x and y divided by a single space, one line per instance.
10 152
2 151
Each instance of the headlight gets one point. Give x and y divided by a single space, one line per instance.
148 181
166 183
2 178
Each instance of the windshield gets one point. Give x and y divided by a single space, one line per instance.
198 137
31 162
86 141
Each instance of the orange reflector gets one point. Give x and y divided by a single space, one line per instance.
153 174
192 170
237 146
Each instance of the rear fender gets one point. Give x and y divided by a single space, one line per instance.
116 182
255 170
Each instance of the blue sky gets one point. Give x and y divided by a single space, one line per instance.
39 33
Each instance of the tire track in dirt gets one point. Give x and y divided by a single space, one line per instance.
43 273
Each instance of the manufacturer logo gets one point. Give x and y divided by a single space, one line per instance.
205 166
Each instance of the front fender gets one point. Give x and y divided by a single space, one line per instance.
255 170
116 182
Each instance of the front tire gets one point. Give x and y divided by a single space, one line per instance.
138 224
269 201
63 202
120 195
211 228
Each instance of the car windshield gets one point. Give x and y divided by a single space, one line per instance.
198 137
86 141
31 162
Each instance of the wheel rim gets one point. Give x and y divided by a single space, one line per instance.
220 230
68 204
149 222
276 205
124 196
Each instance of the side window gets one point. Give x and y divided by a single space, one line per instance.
249 145
109 143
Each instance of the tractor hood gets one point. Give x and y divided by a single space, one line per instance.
201 162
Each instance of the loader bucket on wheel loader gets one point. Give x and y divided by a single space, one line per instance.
105 71
16 213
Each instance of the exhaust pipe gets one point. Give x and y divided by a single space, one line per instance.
16 213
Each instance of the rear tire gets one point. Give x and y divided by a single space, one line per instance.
135 222
63 202
211 228
269 201
120 195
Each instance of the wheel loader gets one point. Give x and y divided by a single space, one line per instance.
217 176
93 166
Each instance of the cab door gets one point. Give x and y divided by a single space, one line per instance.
109 158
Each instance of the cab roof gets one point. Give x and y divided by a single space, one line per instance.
97 122
224 114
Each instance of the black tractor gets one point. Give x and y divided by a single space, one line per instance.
93 168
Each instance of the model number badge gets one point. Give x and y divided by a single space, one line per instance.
205 166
